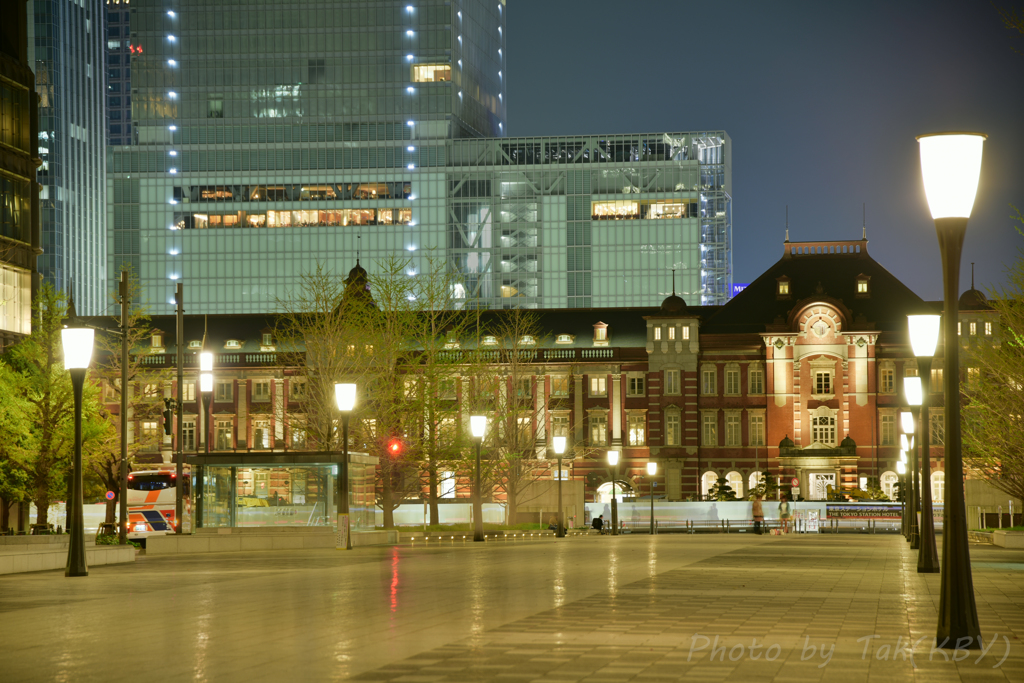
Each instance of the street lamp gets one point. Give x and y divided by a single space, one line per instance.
652 469
558 444
924 336
901 468
345 397
478 425
206 390
950 167
77 343
613 460
907 425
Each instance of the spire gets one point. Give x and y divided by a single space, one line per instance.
787 222
674 279
864 214
72 314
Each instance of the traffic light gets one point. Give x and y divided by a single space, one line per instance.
168 416
395 447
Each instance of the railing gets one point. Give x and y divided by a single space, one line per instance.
191 359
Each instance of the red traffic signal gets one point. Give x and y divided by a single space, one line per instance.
395 447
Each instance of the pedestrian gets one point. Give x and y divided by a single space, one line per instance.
599 524
758 511
553 523
784 514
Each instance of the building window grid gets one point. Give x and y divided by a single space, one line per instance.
672 428
888 431
732 381
598 429
709 430
672 384
887 379
756 429
637 424
598 386
755 376
733 433
708 384
635 385
823 430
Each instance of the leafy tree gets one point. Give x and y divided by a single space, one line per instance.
15 446
45 388
721 491
994 391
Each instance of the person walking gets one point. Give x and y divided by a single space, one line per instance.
758 511
785 512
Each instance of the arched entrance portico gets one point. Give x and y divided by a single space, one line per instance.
623 489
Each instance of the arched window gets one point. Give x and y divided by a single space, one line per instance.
887 481
823 426
754 480
938 487
622 488
707 482
735 480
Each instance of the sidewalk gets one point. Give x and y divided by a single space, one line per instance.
591 608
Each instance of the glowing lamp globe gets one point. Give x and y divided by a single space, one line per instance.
924 334
206 362
345 396
77 343
478 425
652 468
205 382
901 467
613 458
951 166
907 421
558 443
912 388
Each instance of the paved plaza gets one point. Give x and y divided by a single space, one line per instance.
730 607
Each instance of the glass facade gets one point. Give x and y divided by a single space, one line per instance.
119 72
66 51
269 140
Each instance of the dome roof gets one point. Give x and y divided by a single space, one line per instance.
848 443
787 443
673 304
972 300
357 272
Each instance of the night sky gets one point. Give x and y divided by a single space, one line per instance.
822 101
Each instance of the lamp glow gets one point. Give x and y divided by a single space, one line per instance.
924 334
950 166
206 362
77 343
912 388
903 456
345 396
613 458
901 467
206 382
478 425
652 468
906 442
907 422
558 443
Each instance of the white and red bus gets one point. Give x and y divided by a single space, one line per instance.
151 501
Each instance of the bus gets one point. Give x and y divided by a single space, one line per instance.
151 501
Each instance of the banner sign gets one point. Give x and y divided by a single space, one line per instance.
883 511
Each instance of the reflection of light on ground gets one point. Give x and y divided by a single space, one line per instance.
394 580
202 631
559 583
652 560
613 571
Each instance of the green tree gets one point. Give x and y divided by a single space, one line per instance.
721 491
15 446
45 388
994 391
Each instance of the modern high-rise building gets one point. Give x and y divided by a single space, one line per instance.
119 72
66 51
19 221
268 141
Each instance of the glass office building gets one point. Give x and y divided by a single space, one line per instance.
268 141
119 72
66 53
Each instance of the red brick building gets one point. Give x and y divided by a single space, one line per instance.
799 375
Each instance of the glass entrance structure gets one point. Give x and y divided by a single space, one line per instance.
240 491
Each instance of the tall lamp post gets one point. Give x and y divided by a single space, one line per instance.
206 390
77 343
558 444
951 166
345 397
478 425
924 337
907 437
652 469
613 460
901 469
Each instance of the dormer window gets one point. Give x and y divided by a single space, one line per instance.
195 344
564 339
601 334
157 340
451 341
527 340
657 334
782 288
863 285
489 340
267 339
672 333
232 344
